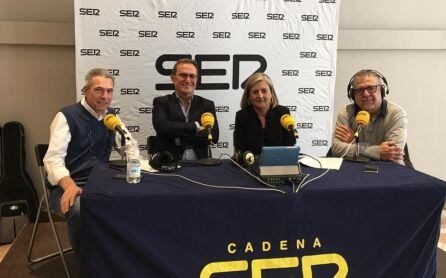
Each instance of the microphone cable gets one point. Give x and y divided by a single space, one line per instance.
249 173
303 182
212 185
348 148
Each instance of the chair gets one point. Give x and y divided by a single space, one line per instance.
40 150
151 146
406 158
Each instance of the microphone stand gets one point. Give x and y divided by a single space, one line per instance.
209 161
120 162
357 157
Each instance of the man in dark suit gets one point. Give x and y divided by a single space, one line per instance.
176 117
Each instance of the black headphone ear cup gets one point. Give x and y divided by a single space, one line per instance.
351 94
163 161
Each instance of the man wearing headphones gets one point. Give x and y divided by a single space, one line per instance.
385 136
176 117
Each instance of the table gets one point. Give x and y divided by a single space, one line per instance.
345 224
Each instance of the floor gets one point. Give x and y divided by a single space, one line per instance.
3 250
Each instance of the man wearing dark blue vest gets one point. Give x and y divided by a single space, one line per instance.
78 141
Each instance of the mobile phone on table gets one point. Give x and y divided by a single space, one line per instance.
371 168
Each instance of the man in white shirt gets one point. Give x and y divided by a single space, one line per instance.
78 141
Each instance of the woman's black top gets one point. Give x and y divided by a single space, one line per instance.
250 136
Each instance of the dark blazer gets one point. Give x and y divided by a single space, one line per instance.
169 123
250 136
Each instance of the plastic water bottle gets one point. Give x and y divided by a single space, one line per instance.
133 162
133 170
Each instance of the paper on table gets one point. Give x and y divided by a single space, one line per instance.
327 162
146 167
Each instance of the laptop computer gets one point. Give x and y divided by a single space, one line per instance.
279 162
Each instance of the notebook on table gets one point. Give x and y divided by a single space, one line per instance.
279 162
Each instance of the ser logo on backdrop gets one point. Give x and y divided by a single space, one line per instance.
324 37
134 128
238 61
185 35
321 108
145 110
114 72
304 125
291 36
319 143
129 13
307 54
130 91
290 72
309 17
271 16
115 110
88 11
240 16
148 34
90 52
204 15
222 109
221 145
306 91
256 35
221 35
167 14
108 33
129 53
292 108
323 73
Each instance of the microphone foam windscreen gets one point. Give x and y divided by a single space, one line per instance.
207 120
286 121
110 121
363 117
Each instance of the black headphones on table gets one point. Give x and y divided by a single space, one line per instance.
384 84
163 162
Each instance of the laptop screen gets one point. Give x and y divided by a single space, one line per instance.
279 156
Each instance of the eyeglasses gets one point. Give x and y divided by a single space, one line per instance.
184 75
370 89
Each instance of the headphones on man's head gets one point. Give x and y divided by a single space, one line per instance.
384 85
163 162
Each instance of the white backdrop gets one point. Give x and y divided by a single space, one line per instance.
293 41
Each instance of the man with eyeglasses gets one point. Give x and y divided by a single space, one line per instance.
78 141
176 117
385 136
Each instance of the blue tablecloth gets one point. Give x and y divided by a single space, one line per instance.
362 224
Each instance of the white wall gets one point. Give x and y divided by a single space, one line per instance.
405 40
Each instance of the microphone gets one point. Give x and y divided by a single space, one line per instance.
288 123
207 121
362 119
111 122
